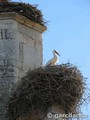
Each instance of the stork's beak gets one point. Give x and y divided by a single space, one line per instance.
57 53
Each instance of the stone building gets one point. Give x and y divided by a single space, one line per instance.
20 46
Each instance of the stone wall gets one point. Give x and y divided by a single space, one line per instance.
20 50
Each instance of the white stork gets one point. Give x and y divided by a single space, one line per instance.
54 59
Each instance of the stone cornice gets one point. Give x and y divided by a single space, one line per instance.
23 20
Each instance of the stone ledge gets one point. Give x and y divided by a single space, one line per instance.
23 20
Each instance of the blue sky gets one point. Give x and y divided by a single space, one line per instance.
68 31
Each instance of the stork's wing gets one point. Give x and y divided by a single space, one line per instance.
48 63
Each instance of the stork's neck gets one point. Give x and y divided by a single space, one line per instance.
54 54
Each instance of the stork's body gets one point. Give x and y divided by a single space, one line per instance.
54 59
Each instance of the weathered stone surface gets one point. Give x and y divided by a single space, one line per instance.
20 50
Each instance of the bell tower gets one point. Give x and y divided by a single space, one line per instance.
20 47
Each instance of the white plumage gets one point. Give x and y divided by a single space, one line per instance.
54 59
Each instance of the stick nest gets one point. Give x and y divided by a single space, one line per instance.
39 89
29 11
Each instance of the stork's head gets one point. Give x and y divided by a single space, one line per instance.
55 52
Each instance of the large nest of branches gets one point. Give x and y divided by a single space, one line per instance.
29 11
39 89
